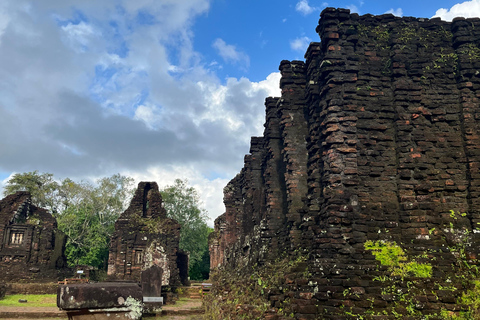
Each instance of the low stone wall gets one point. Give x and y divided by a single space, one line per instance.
31 288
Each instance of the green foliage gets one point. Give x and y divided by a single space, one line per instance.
466 270
407 34
403 290
42 187
200 270
391 255
471 298
472 51
446 60
85 212
182 203
463 280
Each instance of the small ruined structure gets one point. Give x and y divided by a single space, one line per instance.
31 246
374 146
101 301
145 237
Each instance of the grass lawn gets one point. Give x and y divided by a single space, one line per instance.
33 300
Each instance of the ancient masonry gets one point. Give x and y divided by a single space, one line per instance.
375 137
145 237
31 246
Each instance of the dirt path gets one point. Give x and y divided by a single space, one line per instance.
184 309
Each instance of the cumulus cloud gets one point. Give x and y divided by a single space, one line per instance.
90 89
396 12
303 7
353 8
467 9
230 53
300 44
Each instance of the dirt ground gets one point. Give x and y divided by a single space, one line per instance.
186 306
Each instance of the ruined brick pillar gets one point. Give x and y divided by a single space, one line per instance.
272 226
253 188
291 111
145 237
466 41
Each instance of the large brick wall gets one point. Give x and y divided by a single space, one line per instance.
375 137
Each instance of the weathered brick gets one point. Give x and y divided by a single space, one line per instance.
380 145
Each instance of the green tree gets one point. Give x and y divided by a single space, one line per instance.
182 203
200 270
85 212
42 187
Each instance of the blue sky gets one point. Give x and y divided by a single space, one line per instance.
264 31
153 89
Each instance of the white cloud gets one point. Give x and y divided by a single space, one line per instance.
271 85
467 9
353 8
300 44
149 114
304 8
103 95
396 12
230 53
79 35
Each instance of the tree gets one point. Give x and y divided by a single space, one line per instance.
85 212
42 187
200 270
182 203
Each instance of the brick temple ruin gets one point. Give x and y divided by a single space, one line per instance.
145 237
375 137
31 246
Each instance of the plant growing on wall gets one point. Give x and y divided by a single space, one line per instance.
392 255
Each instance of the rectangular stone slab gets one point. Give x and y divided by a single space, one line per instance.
99 295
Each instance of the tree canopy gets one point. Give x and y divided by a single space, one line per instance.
182 203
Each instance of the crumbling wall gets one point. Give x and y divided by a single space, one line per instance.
144 237
31 246
375 138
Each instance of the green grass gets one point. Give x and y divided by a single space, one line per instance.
33 300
